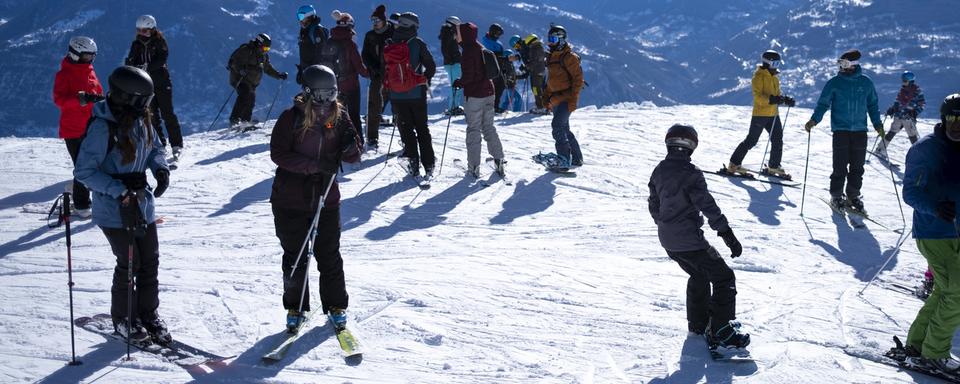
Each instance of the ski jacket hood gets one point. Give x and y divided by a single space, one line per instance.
96 167
932 175
474 77
69 81
764 84
850 97
678 195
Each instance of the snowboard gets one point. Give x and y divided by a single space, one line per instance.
175 352
553 163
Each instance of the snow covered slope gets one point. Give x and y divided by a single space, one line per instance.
551 280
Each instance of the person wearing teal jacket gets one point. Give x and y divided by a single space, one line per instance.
850 96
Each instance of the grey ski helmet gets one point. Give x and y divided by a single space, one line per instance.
82 47
319 83
682 136
409 20
130 87
146 22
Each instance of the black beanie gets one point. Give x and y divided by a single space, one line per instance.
852 55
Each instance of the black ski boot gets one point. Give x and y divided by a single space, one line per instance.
136 335
157 330
729 336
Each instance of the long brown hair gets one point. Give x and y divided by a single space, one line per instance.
310 117
125 123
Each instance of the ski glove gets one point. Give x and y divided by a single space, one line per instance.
809 125
879 129
86 98
133 181
789 101
731 241
891 111
947 211
283 76
776 100
130 214
163 181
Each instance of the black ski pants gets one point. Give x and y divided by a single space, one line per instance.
414 132
537 85
243 106
292 227
849 154
498 86
352 101
707 269
376 97
162 108
758 124
81 195
146 262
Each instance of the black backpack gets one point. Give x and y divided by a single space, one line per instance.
330 56
490 65
112 132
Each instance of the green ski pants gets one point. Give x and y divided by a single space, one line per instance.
932 331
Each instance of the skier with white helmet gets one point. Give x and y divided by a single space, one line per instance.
149 52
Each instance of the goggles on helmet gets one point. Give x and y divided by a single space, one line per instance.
86 57
847 64
321 94
553 39
951 118
137 102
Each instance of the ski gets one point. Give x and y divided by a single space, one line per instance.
278 352
551 162
349 343
749 176
175 352
481 182
493 166
858 224
899 355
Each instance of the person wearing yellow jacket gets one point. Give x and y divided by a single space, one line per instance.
766 116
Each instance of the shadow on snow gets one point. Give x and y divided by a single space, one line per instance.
856 248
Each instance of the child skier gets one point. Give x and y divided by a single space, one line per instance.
678 194
510 100
905 109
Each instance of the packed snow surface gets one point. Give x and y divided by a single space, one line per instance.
551 280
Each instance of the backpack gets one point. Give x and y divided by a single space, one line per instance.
112 132
569 75
490 66
400 76
330 57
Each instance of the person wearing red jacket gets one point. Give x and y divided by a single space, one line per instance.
347 65
75 89
479 105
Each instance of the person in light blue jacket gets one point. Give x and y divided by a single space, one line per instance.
851 97
931 186
119 147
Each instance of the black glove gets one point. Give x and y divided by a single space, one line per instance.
913 113
789 101
283 76
891 111
130 214
522 75
947 211
457 84
134 181
86 98
731 241
163 181
776 100
523 68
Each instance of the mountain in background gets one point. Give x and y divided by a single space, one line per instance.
665 52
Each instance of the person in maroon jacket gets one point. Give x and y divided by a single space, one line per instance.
308 143
75 89
348 66
479 105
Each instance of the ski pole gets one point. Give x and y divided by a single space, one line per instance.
234 89
526 83
132 239
445 135
806 167
308 242
66 221
275 97
390 144
876 141
892 255
783 128
893 180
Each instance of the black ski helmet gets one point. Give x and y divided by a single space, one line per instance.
130 87
557 30
495 30
682 136
319 83
264 40
769 57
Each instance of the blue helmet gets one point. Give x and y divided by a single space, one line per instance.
305 11
514 40
908 76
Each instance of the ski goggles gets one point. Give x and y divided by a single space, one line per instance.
137 102
266 48
553 39
86 57
304 15
951 118
321 94
847 64
772 63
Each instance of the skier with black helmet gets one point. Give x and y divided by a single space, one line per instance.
119 148
247 66
451 61
410 67
149 52
678 196
309 141
851 97
491 41
564 82
372 55
75 89
905 109
931 186
534 66
312 38
766 117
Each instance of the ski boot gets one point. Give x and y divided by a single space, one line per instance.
776 172
338 317
838 203
925 288
176 151
157 330
136 335
428 173
294 320
371 146
474 172
947 365
737 170
855 205
729 336
498 164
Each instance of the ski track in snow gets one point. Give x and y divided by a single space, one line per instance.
552 280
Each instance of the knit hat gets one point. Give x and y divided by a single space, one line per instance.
852 55
343 19
380 12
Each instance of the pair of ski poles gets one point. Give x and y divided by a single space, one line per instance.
233 90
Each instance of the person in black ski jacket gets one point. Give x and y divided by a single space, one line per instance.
451 61
312 38
372 55
149 52
678 196
247 65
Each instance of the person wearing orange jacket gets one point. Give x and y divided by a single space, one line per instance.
564 82
75 89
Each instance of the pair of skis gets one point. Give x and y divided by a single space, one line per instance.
747 174
855 217
493 167
423 182
349 343
175 352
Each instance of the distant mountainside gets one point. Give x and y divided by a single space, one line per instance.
665 52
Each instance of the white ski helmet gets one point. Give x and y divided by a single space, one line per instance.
146 22
80 45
